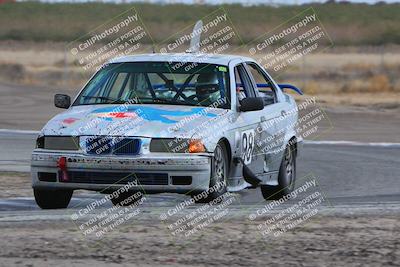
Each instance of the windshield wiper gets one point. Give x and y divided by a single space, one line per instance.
152 100
113 100
167 101
100 97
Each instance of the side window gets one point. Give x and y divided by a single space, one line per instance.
243 84
265 87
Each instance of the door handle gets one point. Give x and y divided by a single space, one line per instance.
283 113
263 118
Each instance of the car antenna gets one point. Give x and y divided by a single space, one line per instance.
196 34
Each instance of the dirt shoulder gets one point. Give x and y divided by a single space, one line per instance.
15 184
367 240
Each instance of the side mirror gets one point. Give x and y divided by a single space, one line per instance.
62 101
251 104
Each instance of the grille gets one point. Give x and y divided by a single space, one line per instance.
102 145
117 178
98 145
127 147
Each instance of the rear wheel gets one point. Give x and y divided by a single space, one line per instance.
219 174
52 199
286 177
126 198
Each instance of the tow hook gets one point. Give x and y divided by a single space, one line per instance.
62 166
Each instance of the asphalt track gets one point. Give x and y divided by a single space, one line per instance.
352 176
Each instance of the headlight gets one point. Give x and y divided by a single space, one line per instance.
58 142
169 145
177 145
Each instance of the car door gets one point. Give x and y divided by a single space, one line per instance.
273 128
249 130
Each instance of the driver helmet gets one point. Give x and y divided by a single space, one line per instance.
206 87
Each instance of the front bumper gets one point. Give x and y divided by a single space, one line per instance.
152 173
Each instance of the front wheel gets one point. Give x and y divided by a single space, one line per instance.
219 174
286 177
52 199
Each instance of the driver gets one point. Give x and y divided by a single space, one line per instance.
207 88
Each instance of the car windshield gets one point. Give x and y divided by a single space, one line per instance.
194 84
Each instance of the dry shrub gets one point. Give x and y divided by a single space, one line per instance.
358 66
13 72
353 86
311 88
376 83
379 83
396 86
391 67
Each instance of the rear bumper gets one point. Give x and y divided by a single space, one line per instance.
157 173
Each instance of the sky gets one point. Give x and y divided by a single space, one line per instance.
215 2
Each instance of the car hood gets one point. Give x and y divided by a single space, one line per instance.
132 120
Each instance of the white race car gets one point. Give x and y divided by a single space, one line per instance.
181 123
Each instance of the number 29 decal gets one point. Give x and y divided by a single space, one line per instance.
247 145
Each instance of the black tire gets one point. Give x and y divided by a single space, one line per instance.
286 177
219 174
52 199
126 199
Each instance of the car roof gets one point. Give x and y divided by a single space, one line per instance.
219 59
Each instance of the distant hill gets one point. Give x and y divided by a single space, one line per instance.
347 24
